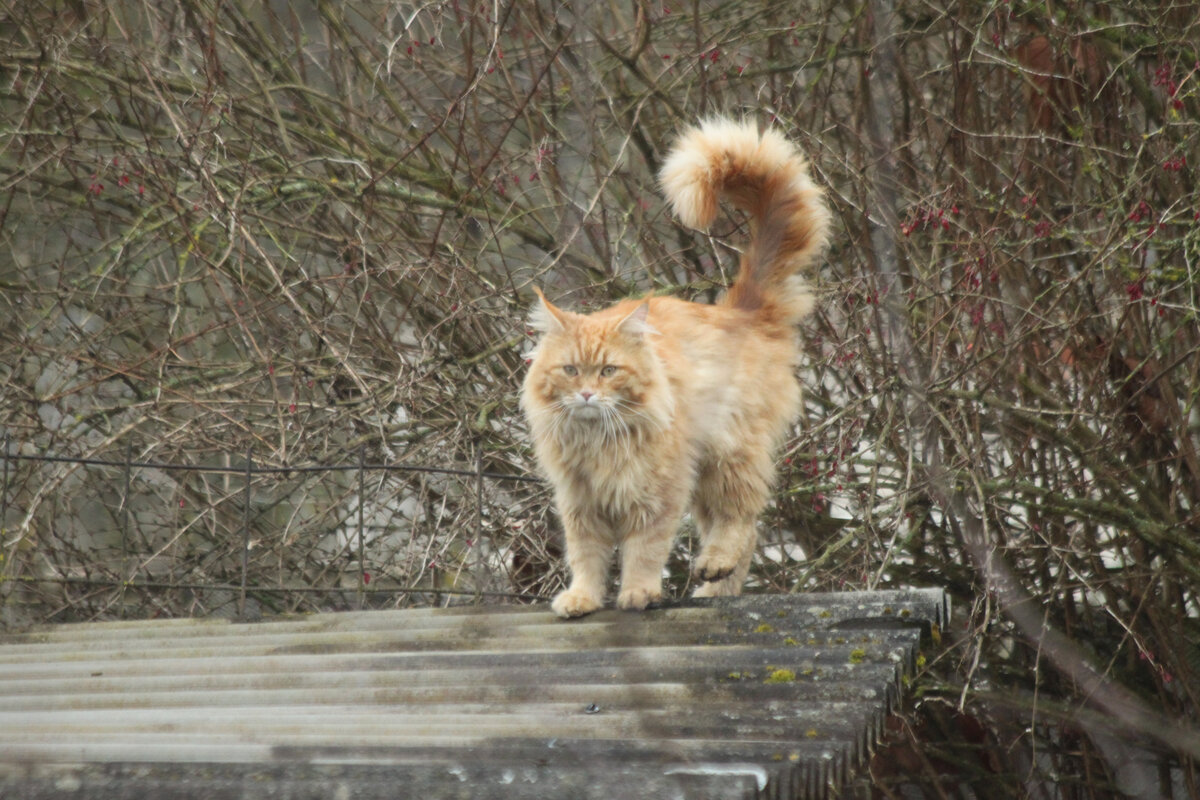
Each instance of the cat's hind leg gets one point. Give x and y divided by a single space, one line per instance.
730 494
725 553
731 584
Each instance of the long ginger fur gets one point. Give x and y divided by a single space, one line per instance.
656 406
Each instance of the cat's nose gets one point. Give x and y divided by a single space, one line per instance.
586 395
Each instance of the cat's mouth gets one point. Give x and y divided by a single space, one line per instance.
586 410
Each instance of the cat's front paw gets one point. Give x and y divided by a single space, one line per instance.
636 599
574 603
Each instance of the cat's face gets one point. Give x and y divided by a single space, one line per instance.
595 370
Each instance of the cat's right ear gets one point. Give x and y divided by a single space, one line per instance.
545 317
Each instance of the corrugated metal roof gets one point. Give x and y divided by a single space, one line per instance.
757 696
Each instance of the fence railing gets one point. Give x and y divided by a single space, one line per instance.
248 470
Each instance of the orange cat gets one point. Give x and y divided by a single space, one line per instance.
654 406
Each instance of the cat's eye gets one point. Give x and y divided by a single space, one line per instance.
570 369
608 371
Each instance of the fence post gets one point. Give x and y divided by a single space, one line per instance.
478 519
125 500
4 487
127 560
362 566
245 531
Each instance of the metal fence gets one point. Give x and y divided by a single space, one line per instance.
122 473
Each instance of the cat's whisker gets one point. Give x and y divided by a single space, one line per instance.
628 410
612 422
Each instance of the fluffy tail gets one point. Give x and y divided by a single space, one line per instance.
766 176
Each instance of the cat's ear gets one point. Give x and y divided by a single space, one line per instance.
635 325
545 317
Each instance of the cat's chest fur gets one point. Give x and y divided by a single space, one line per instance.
617 480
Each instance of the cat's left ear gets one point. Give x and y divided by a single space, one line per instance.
635 325
545 317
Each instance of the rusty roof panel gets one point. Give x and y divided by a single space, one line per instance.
758 696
